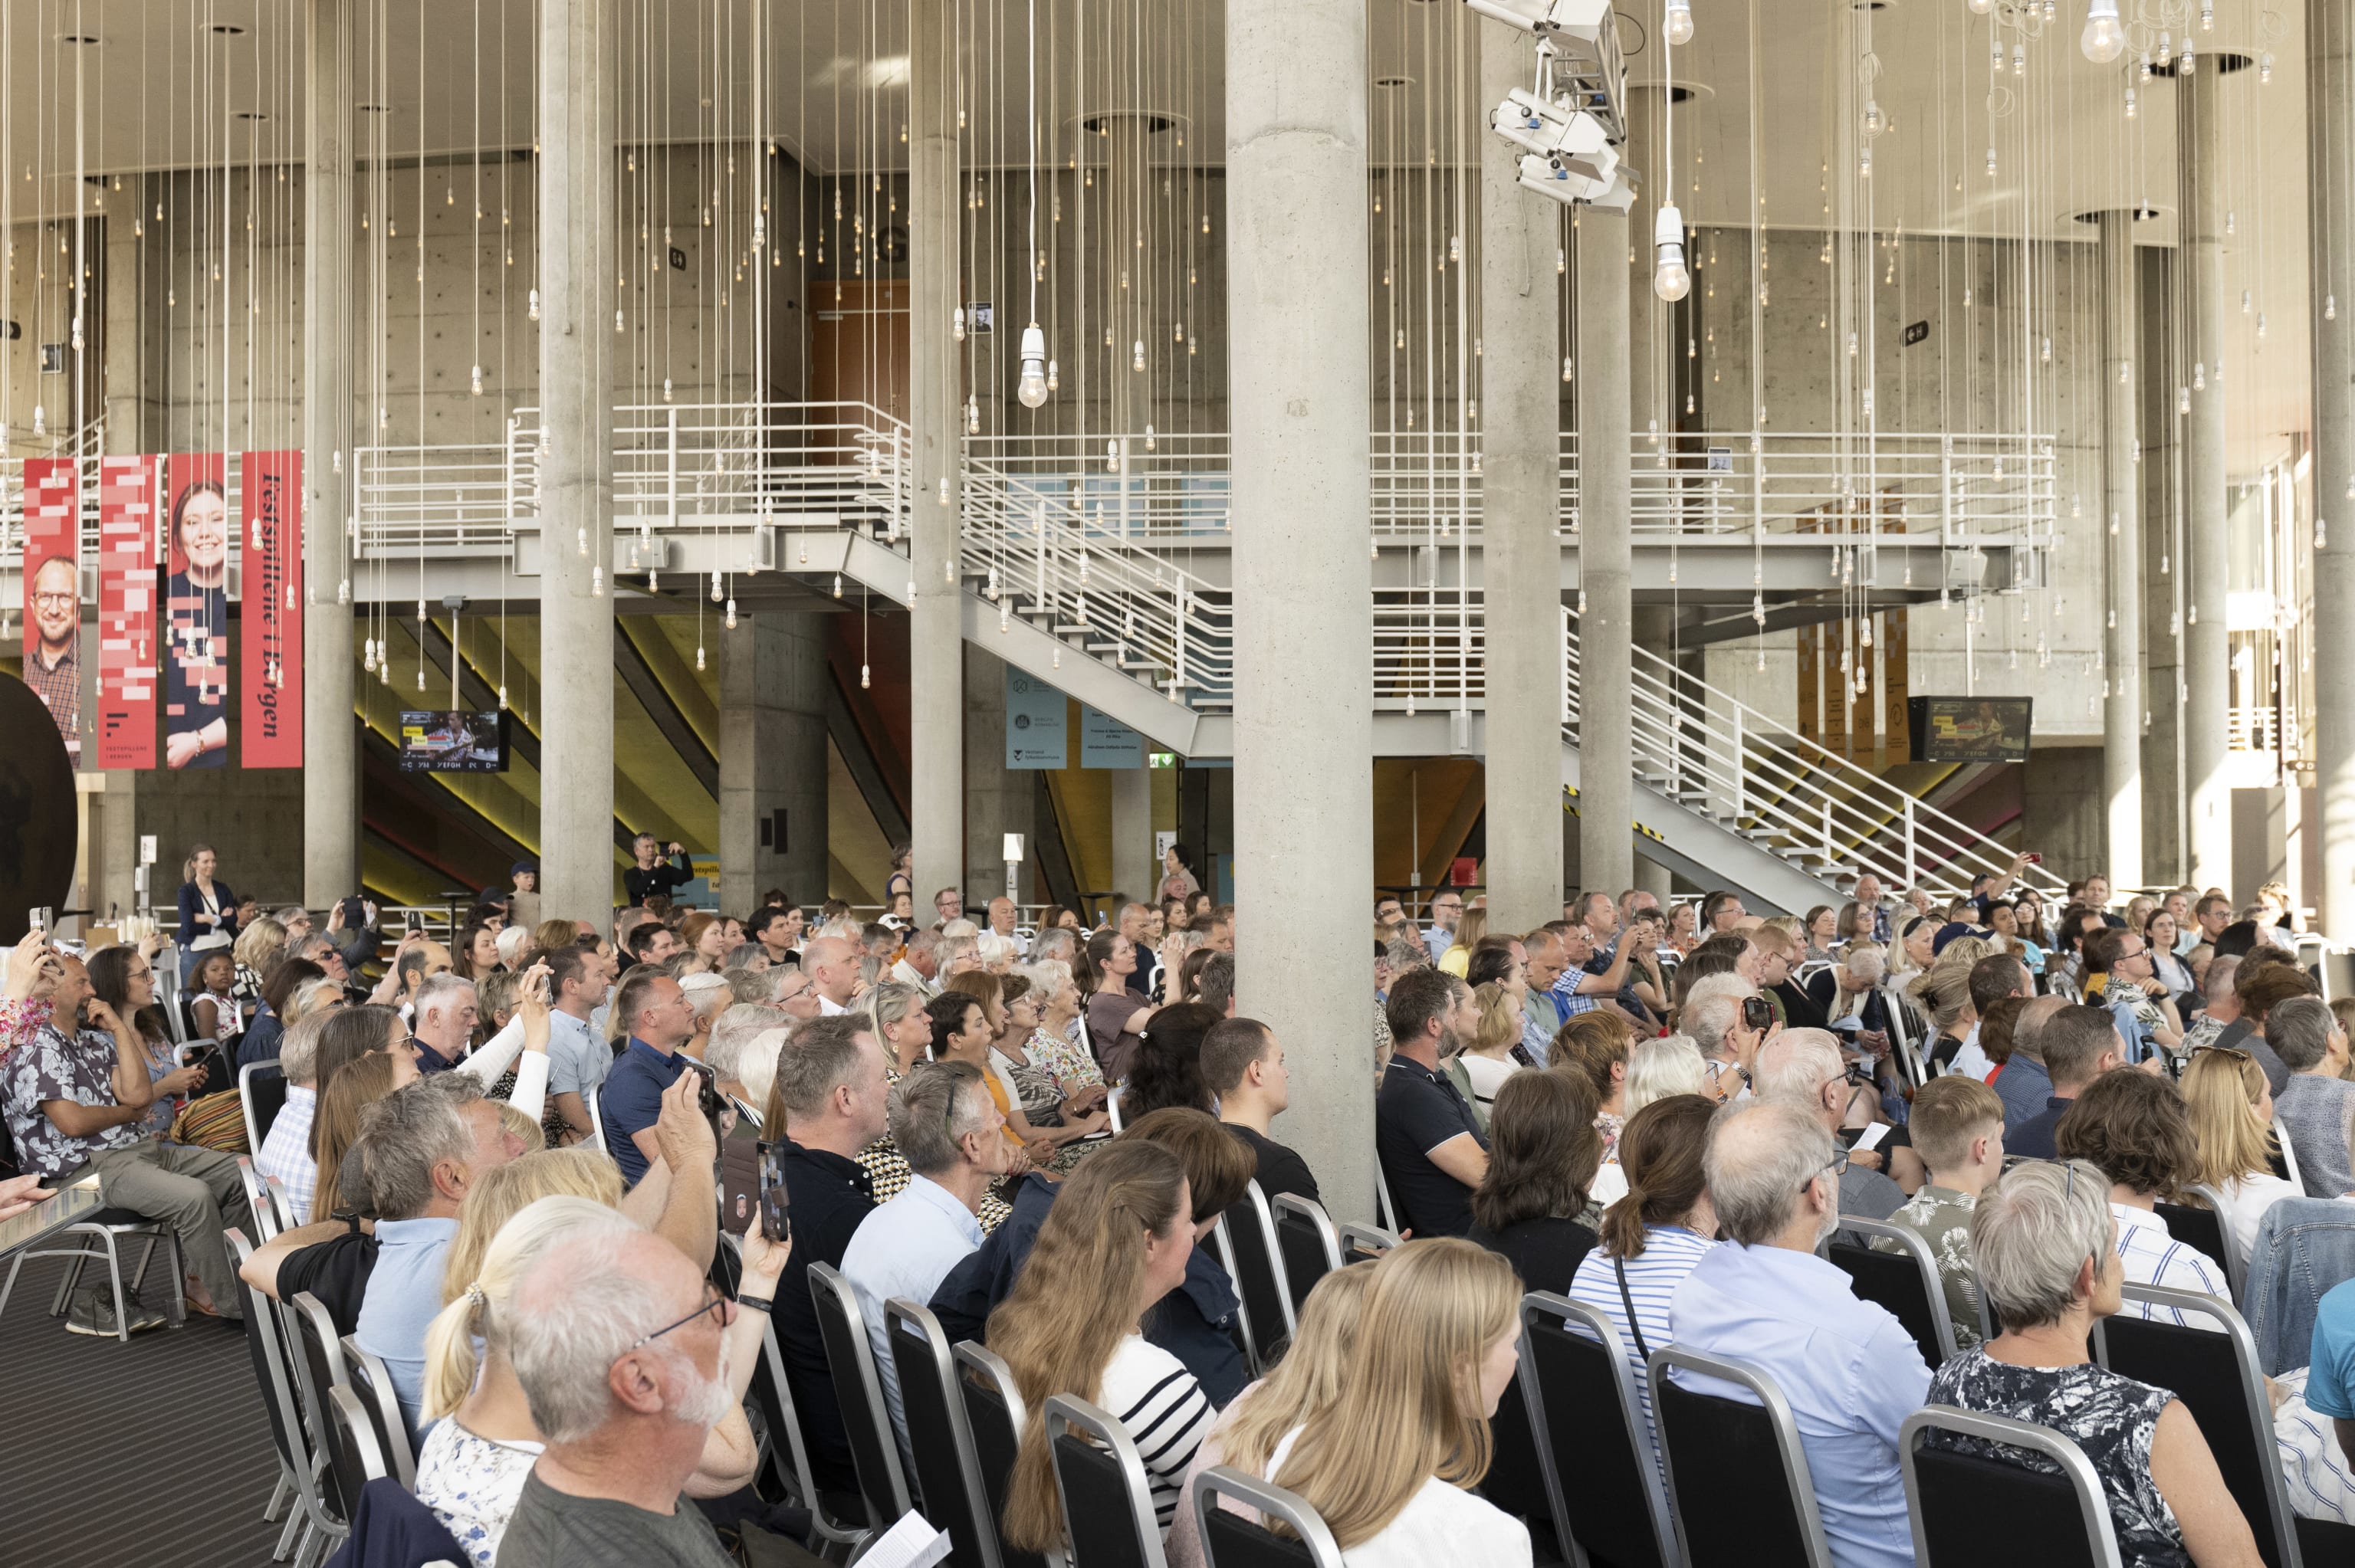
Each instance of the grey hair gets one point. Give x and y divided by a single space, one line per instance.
708 992
2218 983
1867 962
298 1047
958 946
1760 1159
925 940
307 997
753 986
933 1110
737 1027
510 943
756 1063
1048 977
406 1134
1712 1008
575 1311
1055 940
1794 1066
2298 1029
434 993
2031 1230
889 1002
1658 1068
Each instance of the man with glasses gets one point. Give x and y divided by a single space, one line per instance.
623 1394
2120 977
793 992
53 671
1802 1069
1446 909
1849 1371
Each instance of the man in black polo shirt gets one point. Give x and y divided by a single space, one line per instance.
1242 1065
1430 1147
830 1081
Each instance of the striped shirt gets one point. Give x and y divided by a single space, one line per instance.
1163 1409
2154 1257
1670 1252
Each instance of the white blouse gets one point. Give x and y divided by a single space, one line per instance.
1441 1523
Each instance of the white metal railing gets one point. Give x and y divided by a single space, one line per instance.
1716 755
2252 729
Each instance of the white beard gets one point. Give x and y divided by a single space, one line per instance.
699 1401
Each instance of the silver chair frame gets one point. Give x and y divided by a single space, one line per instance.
1762 1388
973 1357
1589 1321
1913 1246
900 1312
2235 1268
97 1239
352 1424
2289 1161
2101 1536
792 1463
1063 1414
371 1384
1219 1480
1370 1238
309 1527
867 1385
2283 1525
261 1200
1252 1206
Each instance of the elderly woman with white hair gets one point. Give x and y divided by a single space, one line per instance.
1670 1065
2046 1248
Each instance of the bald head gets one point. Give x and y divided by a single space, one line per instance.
832 965
2028 1029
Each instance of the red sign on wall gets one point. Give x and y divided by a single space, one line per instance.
126 611
53 593
269 643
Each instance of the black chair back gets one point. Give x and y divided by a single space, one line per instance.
785 1456
2323 1540
994 1416
1107 1504
947 1474
1308 1244
373 1384
2203 1229
354 1453
1973 1505
1257 1271
1515 1479
262 1095
1602 1480
866 1422
1739 1459
1905 1282
2216 1375
1232 1539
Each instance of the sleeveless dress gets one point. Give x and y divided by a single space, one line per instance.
2111 1418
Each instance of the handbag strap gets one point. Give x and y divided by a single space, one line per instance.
1627 1300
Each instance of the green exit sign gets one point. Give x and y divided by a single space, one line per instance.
1164 759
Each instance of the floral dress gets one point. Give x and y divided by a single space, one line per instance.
2111 1418
1064 1061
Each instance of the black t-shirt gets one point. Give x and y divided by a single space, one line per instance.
1544 1252
335 1271
828 1196
1800 1009
1279 1169
1417 1110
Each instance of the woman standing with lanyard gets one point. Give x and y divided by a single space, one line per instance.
206 906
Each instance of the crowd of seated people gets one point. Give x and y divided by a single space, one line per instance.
497 1174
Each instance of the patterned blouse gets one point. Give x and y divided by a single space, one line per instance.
2111 1418
471 1483
1065 1061
20 1021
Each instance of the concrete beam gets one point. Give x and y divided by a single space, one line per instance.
2331 142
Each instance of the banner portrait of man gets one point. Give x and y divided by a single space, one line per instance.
195 611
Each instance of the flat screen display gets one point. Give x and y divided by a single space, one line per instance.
442 740
1969 729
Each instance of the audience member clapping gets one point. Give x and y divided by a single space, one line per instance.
2047 1243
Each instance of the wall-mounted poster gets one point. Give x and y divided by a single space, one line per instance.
126 611
196 612
1969 729
53 593
270 611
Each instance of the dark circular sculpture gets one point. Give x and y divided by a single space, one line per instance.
37 826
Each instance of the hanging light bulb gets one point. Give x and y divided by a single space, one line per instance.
1565 367
972 414
698 656
474 381
2207 16
2200 375
40 420
532 308
597 582
1679 29
1054 377
1981 7
2330 307
2266 68
2130 102
2166 52
957 329
944 490
2183 65
1137 361
1031 386
2183 399
2104 38
1670 280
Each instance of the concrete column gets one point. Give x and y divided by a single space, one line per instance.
1606 798
998 800
2207 672
2122 506
576 381
935 683
1134 870
331 742
1300 388
1520 516
772 759
2330 142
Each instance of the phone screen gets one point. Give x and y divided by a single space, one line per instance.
776 1205
1757 1012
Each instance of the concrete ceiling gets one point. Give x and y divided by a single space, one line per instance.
163 89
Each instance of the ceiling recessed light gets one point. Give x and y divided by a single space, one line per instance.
83 38
227 30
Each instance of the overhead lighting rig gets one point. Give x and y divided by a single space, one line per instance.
1571 123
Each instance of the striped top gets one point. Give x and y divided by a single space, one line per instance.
2155 1257
1157 1400
1670 1252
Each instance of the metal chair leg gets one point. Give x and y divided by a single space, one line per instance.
8 1289
295 1524
115 1279
278 1495
70 1280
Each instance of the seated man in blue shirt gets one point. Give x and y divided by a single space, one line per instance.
2331 1382
1848 1368
660 1019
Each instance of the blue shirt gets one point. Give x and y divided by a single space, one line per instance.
2023 1087
404 1292
631 1101
2330 1384
1849 1371
906 1248
1438 940
578 1058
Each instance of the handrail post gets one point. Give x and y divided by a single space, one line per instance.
1177 617
670 459
1740 772
1909 838
1828 856
1121 447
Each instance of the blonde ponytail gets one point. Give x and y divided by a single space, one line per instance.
450 1360
512 1207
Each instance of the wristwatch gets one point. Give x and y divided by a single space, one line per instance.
761 1304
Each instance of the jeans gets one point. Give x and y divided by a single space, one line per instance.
196 1192
2304 1247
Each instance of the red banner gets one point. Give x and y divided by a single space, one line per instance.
126 611
195 611
270 616
53 593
